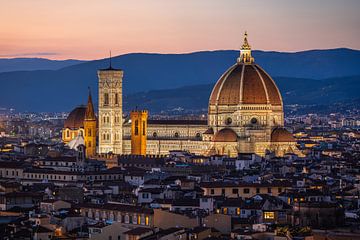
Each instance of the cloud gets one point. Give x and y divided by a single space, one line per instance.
33 54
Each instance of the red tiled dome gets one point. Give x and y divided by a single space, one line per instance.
281 135
245 84
225 135
76 118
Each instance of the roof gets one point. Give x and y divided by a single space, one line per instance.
90 113
118 207
220 184
225 135
76 118
245 84
176 122
280 134
138 231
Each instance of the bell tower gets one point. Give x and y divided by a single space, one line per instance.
138 131
110 110
90 128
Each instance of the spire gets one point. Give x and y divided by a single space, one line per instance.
90 113
245 52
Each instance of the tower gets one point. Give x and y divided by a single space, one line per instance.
90 128
138 131
110 110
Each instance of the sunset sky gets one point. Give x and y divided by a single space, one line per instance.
88 29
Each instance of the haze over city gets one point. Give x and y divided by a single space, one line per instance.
87 29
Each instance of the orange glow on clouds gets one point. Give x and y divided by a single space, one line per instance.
87 29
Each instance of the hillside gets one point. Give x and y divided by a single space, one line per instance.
294 91
30 64
61 90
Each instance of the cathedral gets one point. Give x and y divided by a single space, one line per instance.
245 115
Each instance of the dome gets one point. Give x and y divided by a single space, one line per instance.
76 118
225 135
281 135
245 83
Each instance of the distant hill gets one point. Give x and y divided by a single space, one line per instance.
294 91
61 90
30 64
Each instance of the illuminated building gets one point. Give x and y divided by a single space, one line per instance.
110 110
80 128
138 132
245 115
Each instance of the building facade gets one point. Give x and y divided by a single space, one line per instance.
110 111
245 115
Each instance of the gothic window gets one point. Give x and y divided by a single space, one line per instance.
253 121
116 99
108 119
89 144
106 99
154 134
177 135
136 127
143 128
89 132
67 133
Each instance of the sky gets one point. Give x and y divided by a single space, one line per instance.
88 29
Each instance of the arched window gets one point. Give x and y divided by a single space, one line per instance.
143 128
136 127
106 99
116 99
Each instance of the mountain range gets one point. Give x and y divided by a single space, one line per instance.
29 64
158 81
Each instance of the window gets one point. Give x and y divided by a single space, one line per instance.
228 121
67 133
223 191
146 220
246 190
225 210
154 134
269 215
238 211
269 190
143 128
253 121
89 144
177 135
106 99
116 99
279 190
212 191
136 127
89 132
235 191
257 190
